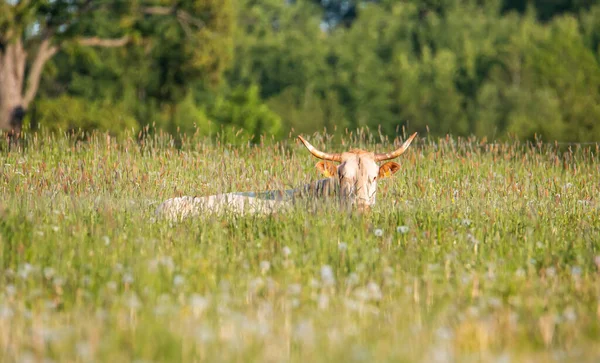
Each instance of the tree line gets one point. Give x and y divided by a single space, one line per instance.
244 68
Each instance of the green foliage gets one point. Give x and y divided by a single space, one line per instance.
244 110
64 114
443 66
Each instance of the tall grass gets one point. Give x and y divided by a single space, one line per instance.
474 252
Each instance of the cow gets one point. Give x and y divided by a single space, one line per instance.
354 179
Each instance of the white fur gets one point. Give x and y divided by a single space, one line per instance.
176 209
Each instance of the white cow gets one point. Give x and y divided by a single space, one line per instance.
354 180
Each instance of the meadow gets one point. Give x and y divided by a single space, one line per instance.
475 251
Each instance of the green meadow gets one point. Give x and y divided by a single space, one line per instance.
475 251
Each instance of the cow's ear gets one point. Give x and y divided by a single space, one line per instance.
388 169
327 168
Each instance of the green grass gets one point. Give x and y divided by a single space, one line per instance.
474 252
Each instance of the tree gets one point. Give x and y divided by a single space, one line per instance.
32 32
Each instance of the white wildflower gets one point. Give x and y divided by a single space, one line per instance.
178 280
327 275
198 304
133 302
265 266
286 251
294 289
323 301
127 279
402 229
48 273
374 291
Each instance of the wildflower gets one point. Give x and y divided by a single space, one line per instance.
127 278
48 273
342 246
265 266
294 289
444 333
25 271
83 350
374 291
304 332
323 301
495 302
352 279
133 302
58 281
178 280
570 314
111 285
327 275
378 232
6 312
286 251
204 334
198 304
402 229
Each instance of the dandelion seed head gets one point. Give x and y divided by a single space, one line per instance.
402 229
6 312
265 266
133 302
127 279
569 314
294 289
178 280
327 275
520 272
323 301
48 272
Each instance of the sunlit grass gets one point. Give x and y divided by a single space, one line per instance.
474 251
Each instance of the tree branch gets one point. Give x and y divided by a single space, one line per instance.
106 43
44 53
181 15
158 10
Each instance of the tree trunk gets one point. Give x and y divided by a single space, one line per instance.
12 71
14 99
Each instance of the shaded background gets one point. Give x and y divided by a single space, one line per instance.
495 69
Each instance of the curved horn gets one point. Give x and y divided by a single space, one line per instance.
397 152
320 154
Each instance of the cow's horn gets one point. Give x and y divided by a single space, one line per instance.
320 154
397 152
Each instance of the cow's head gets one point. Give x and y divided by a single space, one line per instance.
358 171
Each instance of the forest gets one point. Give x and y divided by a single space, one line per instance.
495 69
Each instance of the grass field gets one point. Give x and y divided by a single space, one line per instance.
474 252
